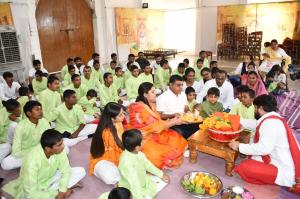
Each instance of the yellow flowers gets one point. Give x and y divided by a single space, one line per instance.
220 121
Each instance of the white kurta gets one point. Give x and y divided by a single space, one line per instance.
273 142
169 103
198 86
7 92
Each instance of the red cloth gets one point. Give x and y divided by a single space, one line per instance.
256 172
295 152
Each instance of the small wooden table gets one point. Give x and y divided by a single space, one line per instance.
203 143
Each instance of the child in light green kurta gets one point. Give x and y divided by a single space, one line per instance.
211 104
132 84
96 72
64 70
245 108
50 98
199 66
180 70
134 165
191 98
39 83
108 91
88 103
162 75
89 80
202 55
146 76
67 78
77 86
24 97
46 172
119 81
112 67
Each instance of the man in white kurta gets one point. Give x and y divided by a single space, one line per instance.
9 89
271 159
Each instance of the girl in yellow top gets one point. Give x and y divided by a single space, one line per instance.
106 146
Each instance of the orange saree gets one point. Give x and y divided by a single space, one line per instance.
112 151
163 147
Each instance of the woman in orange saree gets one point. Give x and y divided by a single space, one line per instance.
164 147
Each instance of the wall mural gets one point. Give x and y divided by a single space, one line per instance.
280 18
5 15
141 29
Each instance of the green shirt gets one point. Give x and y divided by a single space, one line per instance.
68 120
108 94
191 105
97 75
133 169
80 92
67 80
205 62
161 78
110 70
206 108
64 70
132 85
243 111
176 72
27 136
88 105
22 100
39 86
4 124
145 78
119 82
49 100
127 74
36 176
92 83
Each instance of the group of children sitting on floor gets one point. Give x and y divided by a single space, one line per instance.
40 122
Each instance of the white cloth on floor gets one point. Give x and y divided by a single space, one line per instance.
71 142
88 118
11 162
107 171
5 150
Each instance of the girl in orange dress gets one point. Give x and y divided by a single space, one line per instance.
106 145
164 147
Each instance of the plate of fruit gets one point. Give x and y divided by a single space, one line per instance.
201 184
192 118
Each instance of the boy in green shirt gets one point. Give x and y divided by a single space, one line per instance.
211 104
89 80
134 166
69 120
146 76
203 56
96 72
108 92
39 83
24 97
9 116
27 135
50 98
67 79
191 98
245 108
186 62
132 84
88 104
77 86
46 172
198 68
112 68
162 75
119 79
64 70
180 70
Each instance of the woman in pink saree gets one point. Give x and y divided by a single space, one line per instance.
255 83
164 147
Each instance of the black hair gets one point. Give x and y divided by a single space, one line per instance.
39 73
133 67
74 76
253 73
91 93
144 88
186 60
94 55
87 67
131 139
68 93
113 55
252 63
77 59
71 67
277 68
36 62
146 63
106 75
163 61
131 55
181 65
205 70
117 69
111 110
50 138
274 41
95 62
189 90
267 44
113 62
212 63
202 51
51 79
250 92
175 78
213 91
224 71
267 102
7 75
187 71
30 88
129 64
119 193
200 60
11 105
242 88
70 59
30 105
140 52
23 91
